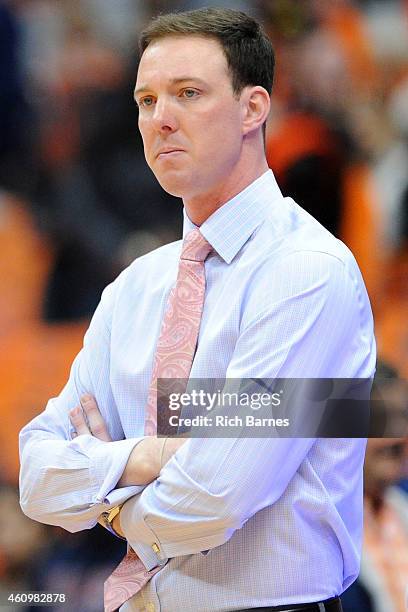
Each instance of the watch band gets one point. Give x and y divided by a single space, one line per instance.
106 520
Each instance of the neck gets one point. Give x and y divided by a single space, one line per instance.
201 206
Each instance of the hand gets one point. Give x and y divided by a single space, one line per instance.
87 419
145 460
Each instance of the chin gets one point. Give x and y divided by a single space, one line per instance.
175 186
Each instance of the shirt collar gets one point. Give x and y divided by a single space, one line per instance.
229 227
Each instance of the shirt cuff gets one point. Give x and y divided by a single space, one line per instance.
140 537
119 496
107 463
151 548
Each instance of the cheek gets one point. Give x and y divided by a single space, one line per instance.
221 133
143 128
146 138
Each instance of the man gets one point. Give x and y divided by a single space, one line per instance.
230 524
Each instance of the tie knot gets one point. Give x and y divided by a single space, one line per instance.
195 246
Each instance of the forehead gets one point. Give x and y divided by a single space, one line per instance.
171 57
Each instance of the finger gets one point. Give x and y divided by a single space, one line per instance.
78 421
96 423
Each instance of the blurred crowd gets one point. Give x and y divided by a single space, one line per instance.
78 204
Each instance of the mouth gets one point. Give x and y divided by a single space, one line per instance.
169 152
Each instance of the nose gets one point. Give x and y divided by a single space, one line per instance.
164 118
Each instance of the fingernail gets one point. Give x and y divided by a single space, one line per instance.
85 398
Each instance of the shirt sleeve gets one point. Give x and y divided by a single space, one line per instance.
69 482
307 318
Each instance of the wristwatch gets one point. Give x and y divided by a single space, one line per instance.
106 520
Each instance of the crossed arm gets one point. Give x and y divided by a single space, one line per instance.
146 459
201 496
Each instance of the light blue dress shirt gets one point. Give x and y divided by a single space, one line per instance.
281 518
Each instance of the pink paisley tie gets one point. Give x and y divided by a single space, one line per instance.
173 359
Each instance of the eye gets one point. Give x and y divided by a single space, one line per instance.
189 93
146 101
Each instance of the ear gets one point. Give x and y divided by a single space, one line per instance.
256 104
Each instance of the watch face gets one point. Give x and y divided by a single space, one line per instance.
103 519
106 518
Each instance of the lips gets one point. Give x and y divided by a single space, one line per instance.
169 151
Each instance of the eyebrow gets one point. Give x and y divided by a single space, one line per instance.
176 81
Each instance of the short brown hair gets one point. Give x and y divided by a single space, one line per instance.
247 48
